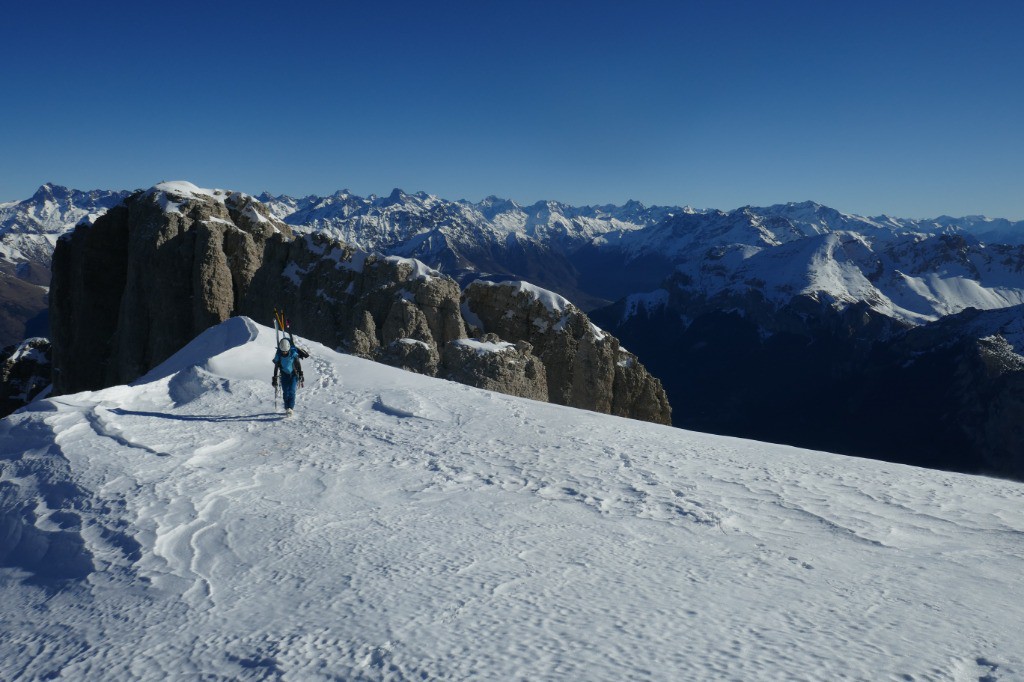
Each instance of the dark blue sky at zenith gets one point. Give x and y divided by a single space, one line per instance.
907 108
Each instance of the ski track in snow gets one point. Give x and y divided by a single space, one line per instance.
406 528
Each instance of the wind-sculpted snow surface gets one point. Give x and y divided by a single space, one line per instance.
406 528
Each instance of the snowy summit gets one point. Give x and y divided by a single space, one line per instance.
403 527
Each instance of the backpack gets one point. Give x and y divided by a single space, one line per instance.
289 363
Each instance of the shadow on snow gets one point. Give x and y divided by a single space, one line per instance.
262 417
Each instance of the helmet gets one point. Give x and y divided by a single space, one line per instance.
284 346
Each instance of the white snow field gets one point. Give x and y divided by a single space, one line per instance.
401 527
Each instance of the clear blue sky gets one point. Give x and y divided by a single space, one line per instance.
909 108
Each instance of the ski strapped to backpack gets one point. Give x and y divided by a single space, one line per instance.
277 343
282 327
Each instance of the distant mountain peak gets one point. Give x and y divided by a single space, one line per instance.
493 205
50 190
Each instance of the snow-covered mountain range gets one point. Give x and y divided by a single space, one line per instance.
29 229
408 220
404 528
769 305
912 270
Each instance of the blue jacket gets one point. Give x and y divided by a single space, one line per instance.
288 362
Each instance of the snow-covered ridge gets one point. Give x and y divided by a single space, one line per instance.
555 304
419 269
402 527
172 196
186 190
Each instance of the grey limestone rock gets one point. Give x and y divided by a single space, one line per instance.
411 355
150 275
585 367
496 365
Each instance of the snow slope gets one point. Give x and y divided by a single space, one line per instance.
402 527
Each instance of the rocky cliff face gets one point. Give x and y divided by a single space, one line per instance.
990 387
143 280
585 366
497 365
152 272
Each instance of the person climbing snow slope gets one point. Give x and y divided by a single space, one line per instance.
289 369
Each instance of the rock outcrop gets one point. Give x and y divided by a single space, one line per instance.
585 367
132 288
990 390
498 365
24 373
